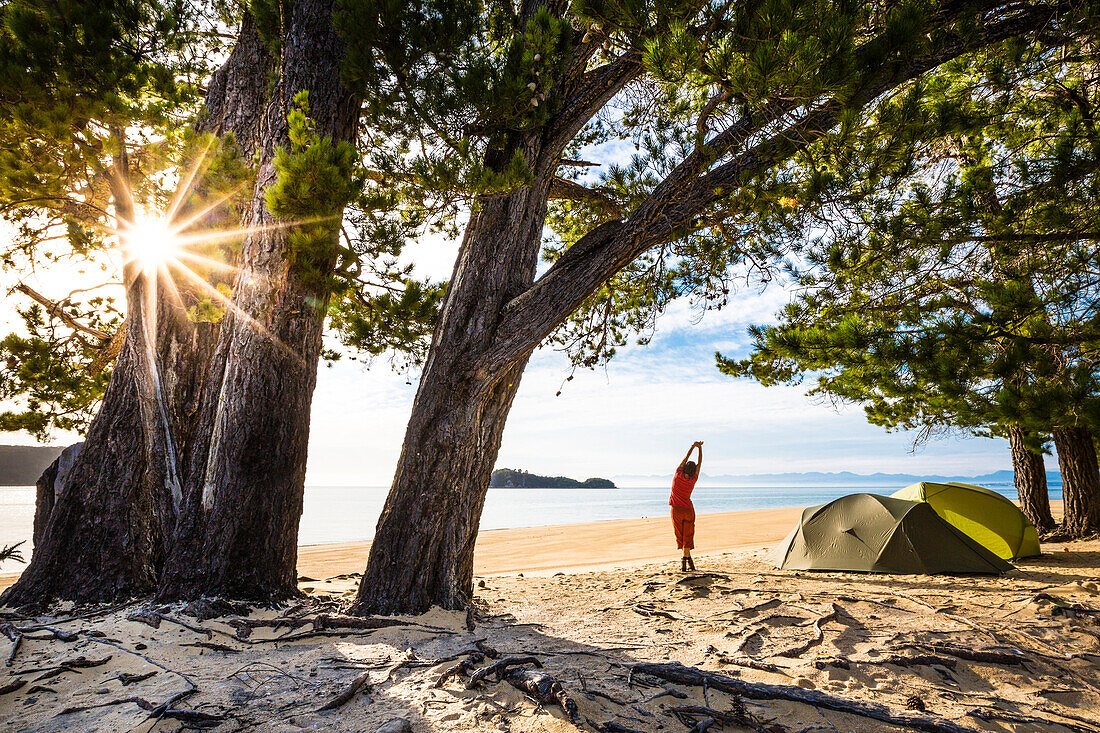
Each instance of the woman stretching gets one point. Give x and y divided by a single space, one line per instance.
683 512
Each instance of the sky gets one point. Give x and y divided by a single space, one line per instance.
636 416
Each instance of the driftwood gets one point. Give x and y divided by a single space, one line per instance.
543 688
682 675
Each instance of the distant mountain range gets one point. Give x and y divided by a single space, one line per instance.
21 465
818 478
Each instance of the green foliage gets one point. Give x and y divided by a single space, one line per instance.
46 373
398 319
950 281
80 83
272 19
316 179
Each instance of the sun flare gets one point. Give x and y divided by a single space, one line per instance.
152 243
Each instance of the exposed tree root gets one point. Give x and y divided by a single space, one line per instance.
990 656
363 680
612 727
648 610
12 686
498 669
702 718
993 715
759 691
460 669
818 637
899 660
750 663
129 679
543 688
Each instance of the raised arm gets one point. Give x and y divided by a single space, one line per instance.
699 463
697 444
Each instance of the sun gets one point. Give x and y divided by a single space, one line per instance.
152 242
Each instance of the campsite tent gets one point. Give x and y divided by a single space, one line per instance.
881 534
987 517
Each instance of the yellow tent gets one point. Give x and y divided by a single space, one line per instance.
984 515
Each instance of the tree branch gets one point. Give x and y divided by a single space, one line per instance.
684 194
595 89
561 188
57 311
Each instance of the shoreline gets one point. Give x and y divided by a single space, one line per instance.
572 548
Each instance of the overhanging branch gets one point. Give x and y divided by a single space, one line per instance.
684 195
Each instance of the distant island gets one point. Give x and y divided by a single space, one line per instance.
510 478
21 465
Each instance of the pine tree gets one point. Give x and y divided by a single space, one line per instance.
131 518
502 105
959 295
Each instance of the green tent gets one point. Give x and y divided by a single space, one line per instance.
880 534
989 518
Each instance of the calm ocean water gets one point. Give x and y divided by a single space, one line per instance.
349 513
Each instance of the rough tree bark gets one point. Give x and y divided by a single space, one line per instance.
1031 480
495 315
238 536
423 549
1080 481
103 535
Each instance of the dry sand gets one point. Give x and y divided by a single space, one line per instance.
894 641
573 547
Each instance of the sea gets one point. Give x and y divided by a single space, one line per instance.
349 513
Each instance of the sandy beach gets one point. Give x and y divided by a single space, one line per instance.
570 547
627 640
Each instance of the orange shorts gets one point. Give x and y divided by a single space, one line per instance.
683 521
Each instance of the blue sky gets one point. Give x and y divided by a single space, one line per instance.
638 415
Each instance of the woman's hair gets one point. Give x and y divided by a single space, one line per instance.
690 468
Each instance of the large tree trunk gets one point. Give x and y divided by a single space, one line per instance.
1080 481
103 533
1031 480
422 553
246 475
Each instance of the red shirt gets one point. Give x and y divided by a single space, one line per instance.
681 489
